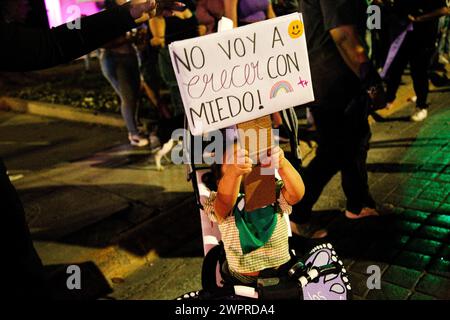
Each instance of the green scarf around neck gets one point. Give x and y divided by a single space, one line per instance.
255 227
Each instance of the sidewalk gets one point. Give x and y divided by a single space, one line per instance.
92 200
409 177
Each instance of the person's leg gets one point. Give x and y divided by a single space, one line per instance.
420 61
420 64
150 72
354 157
395 72
108 67
419 73
169 77
128 79
23 272
123 75
324 165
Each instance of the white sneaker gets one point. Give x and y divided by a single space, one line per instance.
137 140
419 115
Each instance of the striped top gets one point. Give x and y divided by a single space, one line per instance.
273 254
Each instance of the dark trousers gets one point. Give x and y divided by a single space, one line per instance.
343 143
418 55
22 270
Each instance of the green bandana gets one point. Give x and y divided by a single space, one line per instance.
255 227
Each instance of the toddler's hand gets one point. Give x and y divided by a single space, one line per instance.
238 165
275 159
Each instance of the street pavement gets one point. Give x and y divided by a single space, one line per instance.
92 200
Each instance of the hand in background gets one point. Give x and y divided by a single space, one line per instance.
413 19
143 10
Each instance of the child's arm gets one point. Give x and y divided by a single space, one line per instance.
226 197
229 185
294 189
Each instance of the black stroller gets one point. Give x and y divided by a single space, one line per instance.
320 275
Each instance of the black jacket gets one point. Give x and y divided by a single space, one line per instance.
26 49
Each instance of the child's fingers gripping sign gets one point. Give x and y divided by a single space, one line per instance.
239 163
243 163
274 159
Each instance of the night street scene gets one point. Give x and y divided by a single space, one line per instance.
225 150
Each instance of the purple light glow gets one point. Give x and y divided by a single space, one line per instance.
58 11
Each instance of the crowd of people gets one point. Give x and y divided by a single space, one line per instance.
141 60
413 32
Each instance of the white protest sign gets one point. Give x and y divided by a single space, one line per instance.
243 74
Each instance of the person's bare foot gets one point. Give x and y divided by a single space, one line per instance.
306 230
365 212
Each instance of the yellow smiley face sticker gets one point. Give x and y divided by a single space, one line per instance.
295 29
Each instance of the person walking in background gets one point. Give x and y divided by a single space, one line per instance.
180 26
244 12
284 7
417 49
344 79
208 13
165 30
120 66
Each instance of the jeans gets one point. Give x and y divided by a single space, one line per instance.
22 270
343 143
122 72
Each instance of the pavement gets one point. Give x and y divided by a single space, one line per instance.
94 201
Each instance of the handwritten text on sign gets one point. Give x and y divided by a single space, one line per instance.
243 74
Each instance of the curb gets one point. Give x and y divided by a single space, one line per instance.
135 247
59 112
120 261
